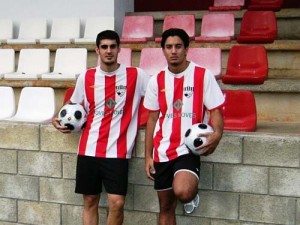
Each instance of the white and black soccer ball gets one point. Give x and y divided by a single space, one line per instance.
192 139
73 116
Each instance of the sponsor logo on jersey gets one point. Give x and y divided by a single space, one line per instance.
110 103
178 104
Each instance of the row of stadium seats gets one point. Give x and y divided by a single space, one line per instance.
256 26
247 64
35 63
225 5
63 30
237 117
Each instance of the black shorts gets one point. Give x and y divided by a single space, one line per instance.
165 171
92 172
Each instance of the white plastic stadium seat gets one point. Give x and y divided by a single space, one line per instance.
7 61
6 30
32 63
7 102
31 30
36 104
93 26
63 31
68 63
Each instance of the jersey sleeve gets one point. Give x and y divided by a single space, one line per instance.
213 96
151 96
78 94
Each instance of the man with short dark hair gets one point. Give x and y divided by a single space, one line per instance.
180 95
111 95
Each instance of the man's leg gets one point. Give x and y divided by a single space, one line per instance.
116 209
167 206
185 186
90 210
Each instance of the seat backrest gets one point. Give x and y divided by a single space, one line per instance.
7 102
239 110
229 2
273 5
217 25
258 23
65 28
209 58
184 21
36 104
125 56
138 27
70 60
247 60
7 61
94 25
34 61
33 28
6 29
152 60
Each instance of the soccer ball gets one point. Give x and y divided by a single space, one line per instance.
73 116
192 139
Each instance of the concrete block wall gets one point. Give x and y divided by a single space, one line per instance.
251 179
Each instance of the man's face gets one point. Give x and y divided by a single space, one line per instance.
174 51
108 51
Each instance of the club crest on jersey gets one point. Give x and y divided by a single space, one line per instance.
188 91
121 89
110 103
177 104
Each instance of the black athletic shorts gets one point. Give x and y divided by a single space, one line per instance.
92 172
165 171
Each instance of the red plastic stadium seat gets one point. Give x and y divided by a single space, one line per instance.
247 64
216 27
152 60
125 56
227 5
258 27
137 29
273 5
209 58
239 110
184 21
68 94
143 114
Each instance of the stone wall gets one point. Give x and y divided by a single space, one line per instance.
251 179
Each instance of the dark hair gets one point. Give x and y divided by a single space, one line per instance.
107 34
175 32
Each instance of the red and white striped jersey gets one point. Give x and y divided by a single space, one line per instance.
111 101
182 99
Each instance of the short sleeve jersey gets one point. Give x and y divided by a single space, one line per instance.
111 101
182 99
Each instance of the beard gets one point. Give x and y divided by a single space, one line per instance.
109 63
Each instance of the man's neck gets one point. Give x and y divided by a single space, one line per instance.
109 68
178 68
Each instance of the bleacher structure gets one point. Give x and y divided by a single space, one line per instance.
251 178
